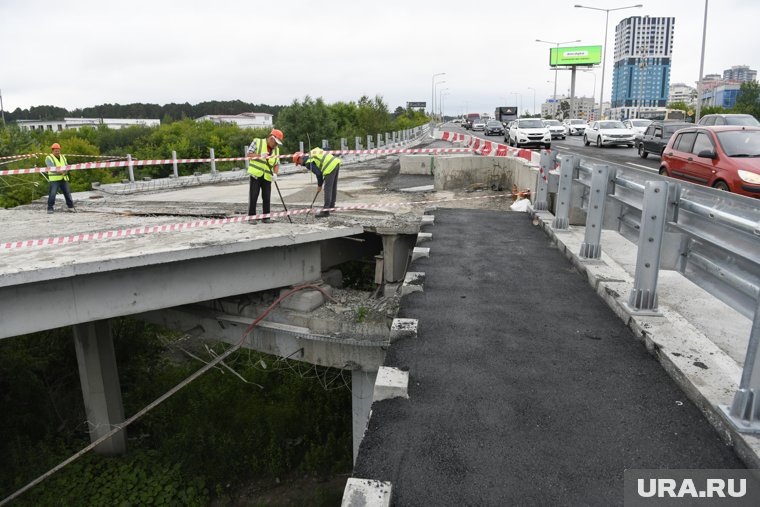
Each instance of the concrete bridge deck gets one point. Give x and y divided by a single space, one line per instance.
525 388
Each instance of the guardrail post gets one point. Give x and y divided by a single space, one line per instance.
358 141
247 161
213 162
379 140
591 248
744 412
567 166
369 142
325 144
174 164
343 144
387 138
643 299
548 162
300 146
131 168
394 137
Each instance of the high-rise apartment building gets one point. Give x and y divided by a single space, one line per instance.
641 73
741 73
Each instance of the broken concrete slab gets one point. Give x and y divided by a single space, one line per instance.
403 328
366 493
412 282
391 383
420 253
305 300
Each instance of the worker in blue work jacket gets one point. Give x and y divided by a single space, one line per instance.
262 171
326 167
58 179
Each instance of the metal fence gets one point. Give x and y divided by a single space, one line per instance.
709 236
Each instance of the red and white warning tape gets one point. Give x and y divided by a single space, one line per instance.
198 224
139 163
486 147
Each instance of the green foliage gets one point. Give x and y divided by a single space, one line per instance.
361 314
748 100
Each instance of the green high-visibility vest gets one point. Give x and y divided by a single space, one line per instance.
326 162
58 163
263 166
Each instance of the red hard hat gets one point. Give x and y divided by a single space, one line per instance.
55 145
277 134
298 158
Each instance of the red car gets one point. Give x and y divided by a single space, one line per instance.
725 157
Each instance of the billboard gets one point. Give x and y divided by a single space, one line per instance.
578 55
415 104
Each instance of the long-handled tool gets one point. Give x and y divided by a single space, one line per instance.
312 204
281 199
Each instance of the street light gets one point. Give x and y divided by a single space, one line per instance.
555 67
593 94
604 55
701 69
534 98
519 95
435 91
432 93
439 96
442 101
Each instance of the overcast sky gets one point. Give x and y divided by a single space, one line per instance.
84 53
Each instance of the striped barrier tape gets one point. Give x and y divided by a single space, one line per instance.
140 163
198 224
33 155
486 147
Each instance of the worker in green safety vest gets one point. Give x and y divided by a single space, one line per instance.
262 171
59 179
326 167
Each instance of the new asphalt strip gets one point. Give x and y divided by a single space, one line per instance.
524 387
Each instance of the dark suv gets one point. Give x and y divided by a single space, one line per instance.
729 119
657 135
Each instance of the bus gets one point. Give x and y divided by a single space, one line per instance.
663 115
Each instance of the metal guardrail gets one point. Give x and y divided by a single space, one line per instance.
709 236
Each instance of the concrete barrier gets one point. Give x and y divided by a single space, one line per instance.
417 164
465 171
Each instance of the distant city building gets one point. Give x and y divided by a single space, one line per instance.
581 107
741 73
550 108
721 96
641 73
77 123
243 120
680 92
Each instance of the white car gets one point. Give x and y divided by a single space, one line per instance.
608 133
527 131
638 126
556 128
478 125
575 126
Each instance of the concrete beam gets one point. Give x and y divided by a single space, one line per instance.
340 250
396 251
102 295
100 384
362 389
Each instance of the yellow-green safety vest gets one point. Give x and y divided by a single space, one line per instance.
326 162
58 163
263 166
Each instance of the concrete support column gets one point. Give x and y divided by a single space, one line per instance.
362 388
100 384
396 251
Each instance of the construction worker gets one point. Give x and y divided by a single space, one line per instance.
58 179
326 167
263 171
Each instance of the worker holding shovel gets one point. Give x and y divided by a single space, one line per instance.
263 170
326 167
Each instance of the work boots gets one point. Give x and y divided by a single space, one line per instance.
322 214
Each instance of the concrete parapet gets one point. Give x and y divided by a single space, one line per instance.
403 328
391 383
412 282
366 493
420 253
458 172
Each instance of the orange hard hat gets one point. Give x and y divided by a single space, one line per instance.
277 134
298 158
55 146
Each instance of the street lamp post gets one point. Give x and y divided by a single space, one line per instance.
593 94
701 69
435 92
442 102
534 99
519 95
604 55
555 67
440 92
432 93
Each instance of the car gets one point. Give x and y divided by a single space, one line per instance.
478 124
493 127
725 157
556 129
656 137
638 125
529 131
729 119
608 133
575 126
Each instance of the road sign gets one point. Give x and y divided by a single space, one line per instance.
416 104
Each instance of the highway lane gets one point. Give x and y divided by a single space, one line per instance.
573 145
